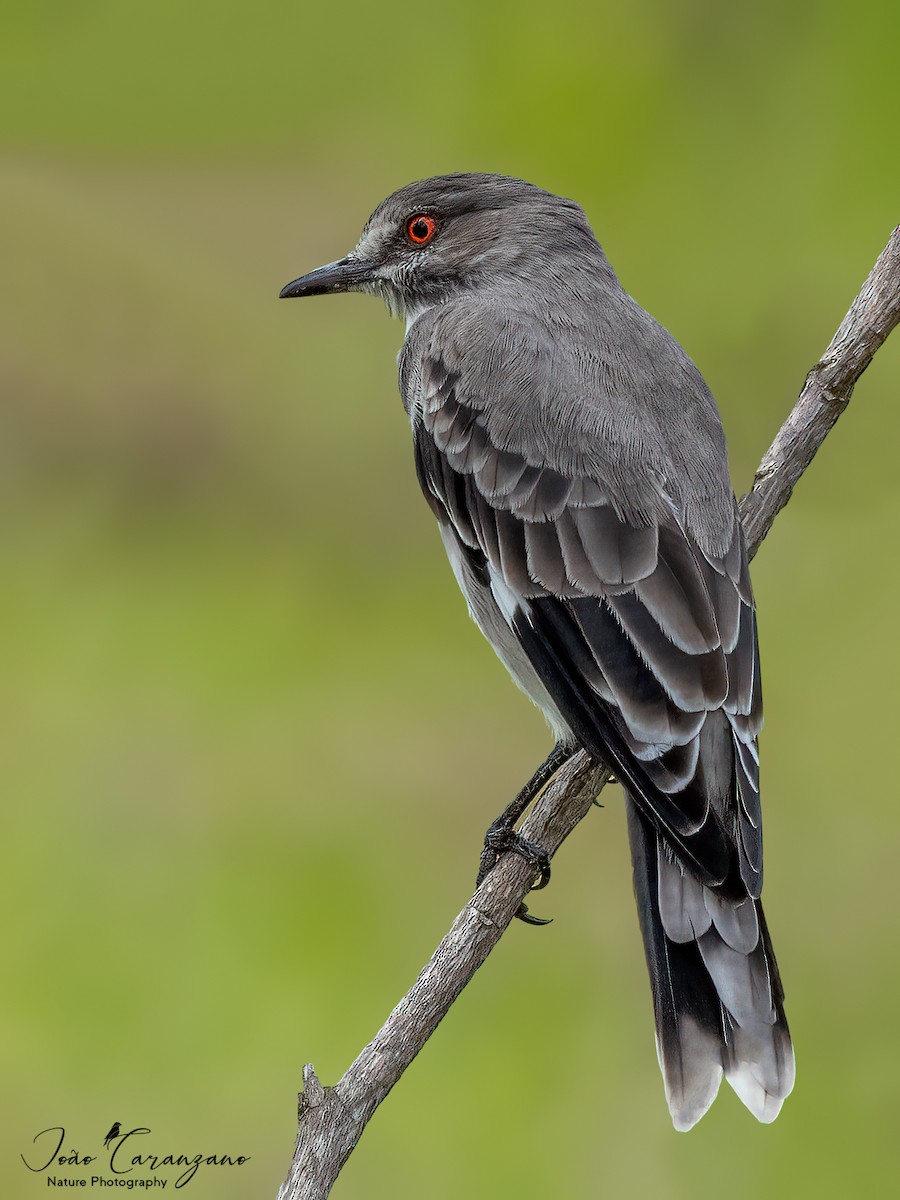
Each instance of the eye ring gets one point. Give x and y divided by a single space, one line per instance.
420 228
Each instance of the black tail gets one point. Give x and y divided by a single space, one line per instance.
717 996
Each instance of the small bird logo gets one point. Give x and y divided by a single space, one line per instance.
113 1133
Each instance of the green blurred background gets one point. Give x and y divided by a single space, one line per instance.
250 738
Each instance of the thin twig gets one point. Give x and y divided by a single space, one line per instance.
826 393
331 1119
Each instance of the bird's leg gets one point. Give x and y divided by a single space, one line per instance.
502 836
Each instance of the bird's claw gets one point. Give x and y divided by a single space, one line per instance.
524 915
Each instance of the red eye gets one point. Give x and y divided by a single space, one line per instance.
420 229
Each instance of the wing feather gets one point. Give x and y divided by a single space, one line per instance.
617 552
695 682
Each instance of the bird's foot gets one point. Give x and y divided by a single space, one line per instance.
502 839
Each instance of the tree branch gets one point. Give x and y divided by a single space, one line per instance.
331 1119
826 393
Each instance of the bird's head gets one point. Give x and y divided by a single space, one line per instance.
433 239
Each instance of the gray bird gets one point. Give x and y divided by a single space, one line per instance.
575 461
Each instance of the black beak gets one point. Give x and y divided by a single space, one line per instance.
343 276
